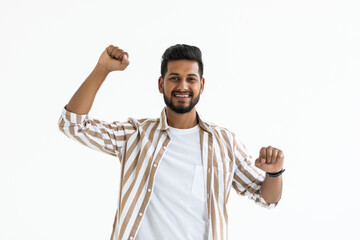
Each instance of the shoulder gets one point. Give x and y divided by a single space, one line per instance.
218 129
224 135
221 135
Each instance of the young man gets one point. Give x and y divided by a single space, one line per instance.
177 170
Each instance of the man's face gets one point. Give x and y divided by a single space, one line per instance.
181 86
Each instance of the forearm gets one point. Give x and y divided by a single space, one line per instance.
271 189
83 98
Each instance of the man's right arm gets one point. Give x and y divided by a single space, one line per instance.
74 121
112 59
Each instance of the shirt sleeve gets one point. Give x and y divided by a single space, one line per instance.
99 135
247 178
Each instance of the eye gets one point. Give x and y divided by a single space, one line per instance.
191 79
173 78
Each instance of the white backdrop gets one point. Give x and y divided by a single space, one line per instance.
280 73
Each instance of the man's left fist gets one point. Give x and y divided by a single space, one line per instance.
270 160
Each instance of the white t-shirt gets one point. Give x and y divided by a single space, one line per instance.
177 207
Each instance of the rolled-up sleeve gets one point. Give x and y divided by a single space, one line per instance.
247 179
99 135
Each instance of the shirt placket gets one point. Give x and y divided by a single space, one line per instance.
209 180
154 166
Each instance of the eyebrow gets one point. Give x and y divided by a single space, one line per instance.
176 74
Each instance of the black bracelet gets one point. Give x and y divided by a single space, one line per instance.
276 174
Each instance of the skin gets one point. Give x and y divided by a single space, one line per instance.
271 160
112 59
183 77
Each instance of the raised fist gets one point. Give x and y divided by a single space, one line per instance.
270 159
114 59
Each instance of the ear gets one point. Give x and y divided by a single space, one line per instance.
202 84
161 84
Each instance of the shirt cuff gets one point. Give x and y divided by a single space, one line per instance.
73 117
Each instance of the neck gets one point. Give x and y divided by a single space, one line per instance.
182 121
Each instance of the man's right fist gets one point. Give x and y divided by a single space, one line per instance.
114 59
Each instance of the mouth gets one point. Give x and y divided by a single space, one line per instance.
182 96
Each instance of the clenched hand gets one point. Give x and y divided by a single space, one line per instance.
270 160
114 59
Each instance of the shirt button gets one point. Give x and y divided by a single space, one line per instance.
209 147
164 147
131 238
209 170
208 195
155 164
140 214
149 189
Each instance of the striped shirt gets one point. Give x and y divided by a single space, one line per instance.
140 145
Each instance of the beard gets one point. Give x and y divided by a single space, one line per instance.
181 109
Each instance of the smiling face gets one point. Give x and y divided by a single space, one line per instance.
181 85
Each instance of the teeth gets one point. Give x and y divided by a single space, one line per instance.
182 95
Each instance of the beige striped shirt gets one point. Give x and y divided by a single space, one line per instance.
140 145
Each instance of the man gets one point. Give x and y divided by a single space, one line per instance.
177 170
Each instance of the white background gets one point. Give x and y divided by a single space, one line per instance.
278 72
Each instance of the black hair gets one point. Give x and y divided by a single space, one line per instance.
179 52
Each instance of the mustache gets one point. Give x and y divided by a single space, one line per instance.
180 92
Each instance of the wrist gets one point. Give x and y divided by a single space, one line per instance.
101 69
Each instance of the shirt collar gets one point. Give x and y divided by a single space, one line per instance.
165 127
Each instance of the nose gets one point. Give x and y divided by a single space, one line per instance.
183 85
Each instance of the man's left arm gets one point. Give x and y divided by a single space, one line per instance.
271 160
